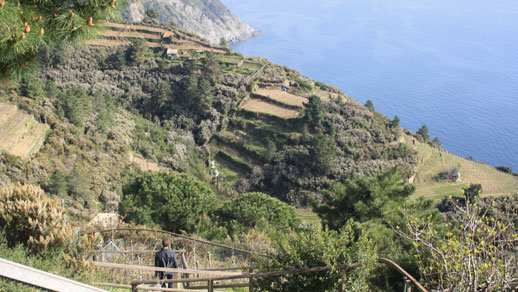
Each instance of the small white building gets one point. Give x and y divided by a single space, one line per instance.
171 53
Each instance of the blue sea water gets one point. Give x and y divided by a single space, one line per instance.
449 64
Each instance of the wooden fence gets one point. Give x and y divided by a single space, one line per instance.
185 237
213 278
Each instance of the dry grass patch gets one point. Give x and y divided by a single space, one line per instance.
20 134
133 27
260 106
326 95
106 43
145 165
283 97
136 34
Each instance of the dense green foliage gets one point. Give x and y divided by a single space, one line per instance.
323 154
137 52
369 105
395 121
26 26
31 87
423 131
257 210
170 200
320 248
314 112
363 199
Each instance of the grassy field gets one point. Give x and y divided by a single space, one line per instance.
251 66
20 133
283 97
230 59
431 161
260 106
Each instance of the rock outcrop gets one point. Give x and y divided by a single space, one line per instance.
210 19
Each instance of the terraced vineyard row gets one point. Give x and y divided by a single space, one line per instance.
266 118
20 133
117 34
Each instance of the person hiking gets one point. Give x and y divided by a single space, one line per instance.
166 258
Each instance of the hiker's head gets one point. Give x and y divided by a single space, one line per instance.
165 242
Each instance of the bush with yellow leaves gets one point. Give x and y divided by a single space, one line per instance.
28 216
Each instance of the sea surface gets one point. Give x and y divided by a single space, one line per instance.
449 64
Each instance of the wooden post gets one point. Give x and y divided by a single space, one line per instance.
344 280
408 285
134 287
211 286
175 276
185 266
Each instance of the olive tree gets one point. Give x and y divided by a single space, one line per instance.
476 249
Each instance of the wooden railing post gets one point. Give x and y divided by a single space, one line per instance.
408 285
344 280
211 286
134 287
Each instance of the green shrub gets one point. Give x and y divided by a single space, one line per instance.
304 85
169 200
505 169
252 210
320 248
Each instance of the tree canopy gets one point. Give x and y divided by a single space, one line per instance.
362 199
250 209
170 200
314 111
28 25
423 131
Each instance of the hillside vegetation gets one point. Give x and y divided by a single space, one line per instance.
266 127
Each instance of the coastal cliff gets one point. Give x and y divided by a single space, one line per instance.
210 19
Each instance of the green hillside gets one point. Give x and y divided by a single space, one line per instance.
254 119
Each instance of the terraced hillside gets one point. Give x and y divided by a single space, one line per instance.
118 34
267 141
431 161
20 133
